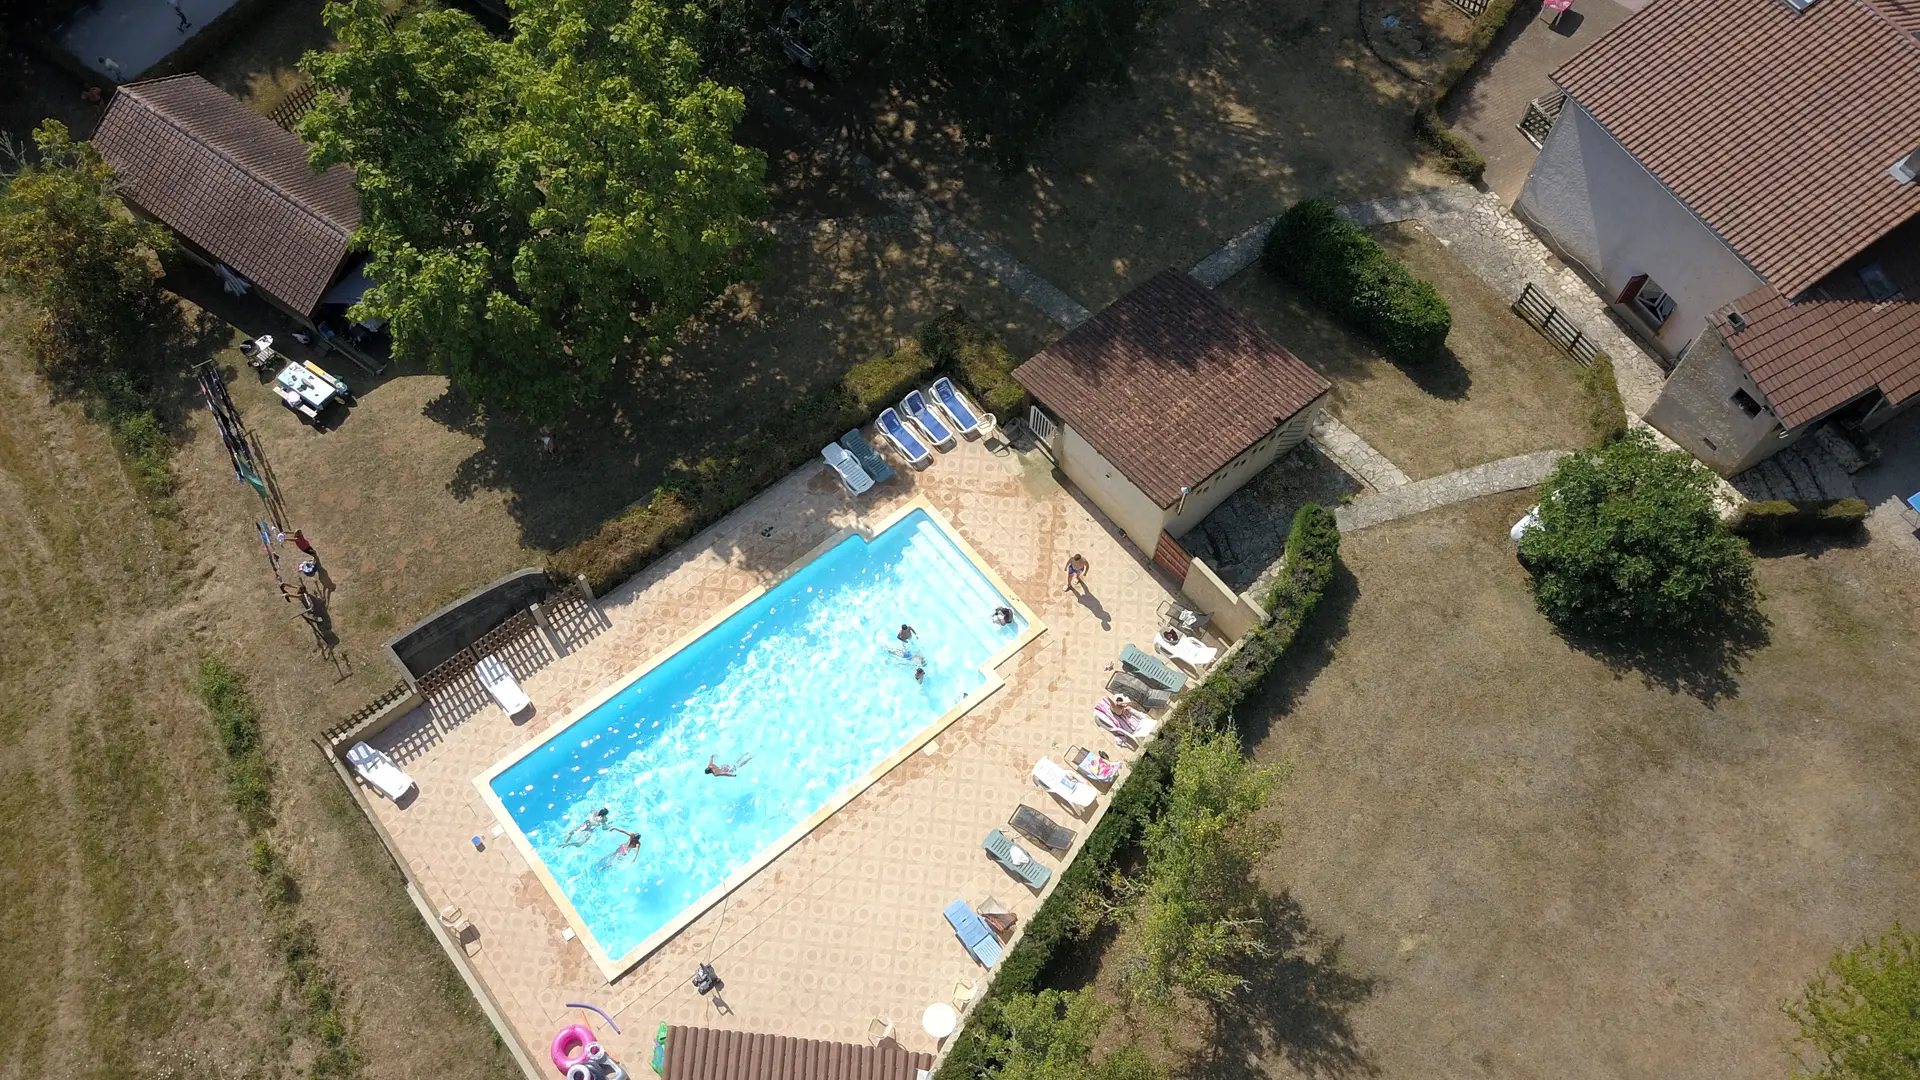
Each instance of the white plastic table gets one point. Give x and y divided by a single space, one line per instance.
940 1020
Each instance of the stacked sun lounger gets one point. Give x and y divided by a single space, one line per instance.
974 934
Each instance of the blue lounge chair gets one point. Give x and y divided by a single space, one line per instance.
949 400
1152 668
915 406
903 438
869 458
974 934
1002 849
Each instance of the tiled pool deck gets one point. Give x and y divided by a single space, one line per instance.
846 925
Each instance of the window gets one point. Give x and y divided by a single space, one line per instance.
1879 285
1647 298
1746 403
1736 320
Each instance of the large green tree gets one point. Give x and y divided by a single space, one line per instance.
1629 542
1051 1035
543 208
1197 906
1860 1019
68 244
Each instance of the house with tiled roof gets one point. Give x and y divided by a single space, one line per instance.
236 189
1164 404
1741 180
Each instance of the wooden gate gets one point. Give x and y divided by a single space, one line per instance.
1168 555
1537 308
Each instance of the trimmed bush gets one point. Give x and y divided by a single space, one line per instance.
1606 415
707 490
1430 132
1456 154
1773 519
1351 275
966 350
1312 553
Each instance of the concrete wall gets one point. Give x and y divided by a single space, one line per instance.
433 640
1129 507
1695 409
1214 489
1601 209
1233 616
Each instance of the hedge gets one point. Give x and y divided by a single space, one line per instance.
1429 130
969 352
713 487
1773 519
1347 272
1606 415
1312 552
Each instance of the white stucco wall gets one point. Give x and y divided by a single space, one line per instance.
1696 409
1109 489
1232 615
1607 213
1214 490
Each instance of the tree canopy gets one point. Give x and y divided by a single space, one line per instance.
1860 1019
70 246
1629 541
540 209
1197 906
1051 1035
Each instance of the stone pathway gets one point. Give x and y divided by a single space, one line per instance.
989 256
1355 454
1507 474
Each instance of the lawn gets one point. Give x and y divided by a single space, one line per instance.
1504 857
1237 108
1503 390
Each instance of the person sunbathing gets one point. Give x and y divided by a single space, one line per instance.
583 832
1124 712
628 847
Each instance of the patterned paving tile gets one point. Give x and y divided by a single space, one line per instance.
846 925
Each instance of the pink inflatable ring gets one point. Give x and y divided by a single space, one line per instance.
570 1046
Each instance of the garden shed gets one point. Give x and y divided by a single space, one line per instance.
1165 403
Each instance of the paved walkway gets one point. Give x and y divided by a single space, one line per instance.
1487 108
1507 474
1355 454
989 256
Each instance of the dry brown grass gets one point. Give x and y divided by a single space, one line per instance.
1236 109
1505 857
1504 390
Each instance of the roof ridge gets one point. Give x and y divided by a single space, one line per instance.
228 158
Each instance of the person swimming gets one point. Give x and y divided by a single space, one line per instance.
715 768
907 647
920 674
628 847
1002 616
584 831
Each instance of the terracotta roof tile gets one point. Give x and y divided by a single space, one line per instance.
1169 383
233 182
711 1054
1776 127
1836 342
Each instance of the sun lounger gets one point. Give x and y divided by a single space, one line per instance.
974 934
1040 828
915 406
1129 726
1065 786
998 917
1186 649
1175 614
1098 768
964 417
1138 691
379 770
502 685
1151 668
1018 861
851 474
902 437
869 458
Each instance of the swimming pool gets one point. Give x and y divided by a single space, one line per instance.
800 688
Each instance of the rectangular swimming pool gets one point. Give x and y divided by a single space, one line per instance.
802 689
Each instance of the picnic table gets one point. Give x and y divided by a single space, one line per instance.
307 389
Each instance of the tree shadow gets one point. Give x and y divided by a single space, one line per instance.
1312 650
1704 666
1440 374
1296 1005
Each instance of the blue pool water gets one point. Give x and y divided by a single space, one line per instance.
801 679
